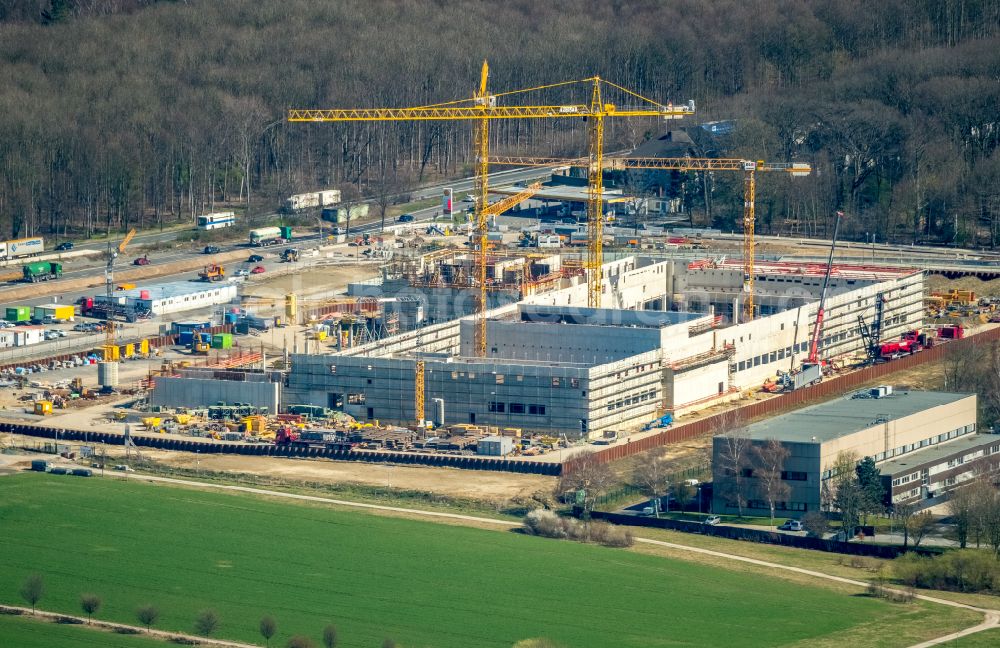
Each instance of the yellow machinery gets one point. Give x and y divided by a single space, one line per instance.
43 407
201 343
110 351
482 110
748 167
212 272
418 394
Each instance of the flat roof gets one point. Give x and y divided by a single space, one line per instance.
542 313
807 269
937 452
844 416
172 289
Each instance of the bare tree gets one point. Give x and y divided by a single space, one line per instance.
388 643
589 475
650 473
32 590
206 622
683 493
768 464
147 615
904 513
734 461
90 604
268 627
300 641
919 526
815 524
960 507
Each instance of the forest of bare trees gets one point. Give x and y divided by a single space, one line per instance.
142 113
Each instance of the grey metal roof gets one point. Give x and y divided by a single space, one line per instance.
171 289
936 453
844 416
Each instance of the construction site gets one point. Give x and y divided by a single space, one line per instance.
541 318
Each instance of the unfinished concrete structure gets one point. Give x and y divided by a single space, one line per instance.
663 343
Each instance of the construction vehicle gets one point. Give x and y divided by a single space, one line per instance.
212 272
41 271
265 236
142 261
318 439
664 421
813 358
201 343
872 335
290 255
951 332
786 381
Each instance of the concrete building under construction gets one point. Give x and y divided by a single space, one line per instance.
666 341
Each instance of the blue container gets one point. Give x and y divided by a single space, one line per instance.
232 318
185 337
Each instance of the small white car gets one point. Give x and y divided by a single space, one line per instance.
242 272
712 520
791 525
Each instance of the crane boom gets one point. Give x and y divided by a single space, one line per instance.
482 110
814 342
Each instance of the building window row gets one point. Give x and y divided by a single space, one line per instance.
934 440
779 506
516 408
791 475
633 400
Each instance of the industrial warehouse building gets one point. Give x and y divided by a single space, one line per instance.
173 297
906 432
666 341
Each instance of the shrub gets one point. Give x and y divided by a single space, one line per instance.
547 524
964 570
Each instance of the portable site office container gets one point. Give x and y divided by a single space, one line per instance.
178 296
18 313
55 313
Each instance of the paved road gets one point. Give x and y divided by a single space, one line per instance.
991 617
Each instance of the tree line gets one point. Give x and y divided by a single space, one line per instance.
206 622
143 113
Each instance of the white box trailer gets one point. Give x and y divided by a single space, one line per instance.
312 200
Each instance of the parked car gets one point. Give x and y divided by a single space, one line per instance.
257 270
141 261
255 258
242 272
469 198
212 249
712 520
405 218
791 525
66 245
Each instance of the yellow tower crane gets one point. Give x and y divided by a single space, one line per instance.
484 108
748 167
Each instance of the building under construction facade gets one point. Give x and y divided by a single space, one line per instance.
665 341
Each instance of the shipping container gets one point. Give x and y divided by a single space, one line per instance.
339 214
222 341
312 200
18 313
55 313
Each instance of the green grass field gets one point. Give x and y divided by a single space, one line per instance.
420 583
29 633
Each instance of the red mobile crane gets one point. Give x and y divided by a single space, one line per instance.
814 343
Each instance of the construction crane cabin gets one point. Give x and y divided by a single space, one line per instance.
482 108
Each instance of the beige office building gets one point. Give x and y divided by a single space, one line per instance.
882 423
